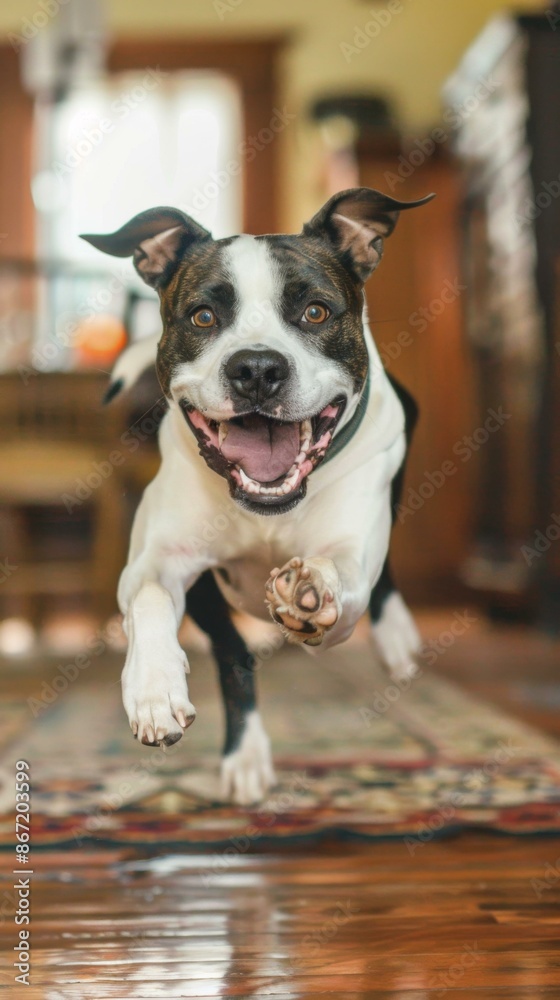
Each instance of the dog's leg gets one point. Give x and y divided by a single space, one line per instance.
393 628
155 693
247 771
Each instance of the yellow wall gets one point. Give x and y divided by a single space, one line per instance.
408 60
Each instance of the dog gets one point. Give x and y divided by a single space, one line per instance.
284 432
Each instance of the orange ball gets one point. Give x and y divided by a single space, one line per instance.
99 338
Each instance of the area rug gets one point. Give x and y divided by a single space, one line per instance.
354 754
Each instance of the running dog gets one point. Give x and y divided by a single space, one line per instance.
285 433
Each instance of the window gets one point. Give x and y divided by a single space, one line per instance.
112 149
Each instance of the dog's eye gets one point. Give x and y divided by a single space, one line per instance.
316 313
203 318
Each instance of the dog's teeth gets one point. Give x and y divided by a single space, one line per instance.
290 483
222 432
306 432
245 481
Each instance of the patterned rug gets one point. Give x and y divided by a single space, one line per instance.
354 754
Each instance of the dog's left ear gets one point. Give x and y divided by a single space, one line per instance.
156 239
356 222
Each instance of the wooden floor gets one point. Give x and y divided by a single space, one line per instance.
477 916
460 919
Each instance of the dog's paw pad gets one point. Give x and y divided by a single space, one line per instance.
300 602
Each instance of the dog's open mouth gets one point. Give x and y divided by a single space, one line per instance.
266 461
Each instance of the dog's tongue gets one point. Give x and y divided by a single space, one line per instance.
264 450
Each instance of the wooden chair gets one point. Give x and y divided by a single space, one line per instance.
55 450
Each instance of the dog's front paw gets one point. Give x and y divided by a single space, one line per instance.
157 703
302 598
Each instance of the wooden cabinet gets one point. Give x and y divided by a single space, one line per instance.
416 302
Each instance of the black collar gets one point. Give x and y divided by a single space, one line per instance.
347 432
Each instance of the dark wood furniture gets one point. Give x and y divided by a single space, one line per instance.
415 303
62 450
509 145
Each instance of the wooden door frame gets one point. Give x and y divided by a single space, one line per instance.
252 65
17 229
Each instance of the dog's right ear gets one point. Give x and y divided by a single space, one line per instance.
157 239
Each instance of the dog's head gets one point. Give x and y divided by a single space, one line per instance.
263 346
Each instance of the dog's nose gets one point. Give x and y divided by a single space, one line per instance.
257 375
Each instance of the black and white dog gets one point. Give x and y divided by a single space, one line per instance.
272 376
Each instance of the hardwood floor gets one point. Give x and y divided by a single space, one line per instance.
476 916
463 918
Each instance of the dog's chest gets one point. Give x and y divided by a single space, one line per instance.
242 580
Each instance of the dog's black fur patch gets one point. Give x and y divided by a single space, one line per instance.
312 271
208 608
201 279
385 585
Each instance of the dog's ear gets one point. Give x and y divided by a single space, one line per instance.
356 222
157 239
